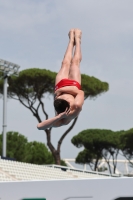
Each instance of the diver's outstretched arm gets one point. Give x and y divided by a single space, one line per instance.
48 123
52 121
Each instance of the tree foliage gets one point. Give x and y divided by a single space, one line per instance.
37 153
30 89
16 144
126 146
98 144
20 149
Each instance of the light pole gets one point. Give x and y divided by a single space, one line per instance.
8 69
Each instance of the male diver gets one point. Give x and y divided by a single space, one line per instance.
68 96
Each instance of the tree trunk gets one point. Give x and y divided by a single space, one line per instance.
96 163
57 158
56 153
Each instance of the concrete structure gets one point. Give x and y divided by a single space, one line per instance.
22 181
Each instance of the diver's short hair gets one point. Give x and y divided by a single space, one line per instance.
61 105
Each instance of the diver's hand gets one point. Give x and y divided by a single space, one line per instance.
64 114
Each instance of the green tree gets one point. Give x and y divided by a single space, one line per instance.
98 144
30 89
20 149
126 146
16 144
112 148
88 156
37 153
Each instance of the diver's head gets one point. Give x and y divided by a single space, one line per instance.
61 105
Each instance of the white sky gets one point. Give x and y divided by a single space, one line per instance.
33 34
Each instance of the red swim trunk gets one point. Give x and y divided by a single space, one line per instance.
67 82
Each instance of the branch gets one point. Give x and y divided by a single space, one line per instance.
30 103
50 128
38 106
30 108
91 166
114 156
13 97
42 104
129 159
66 132
23 103
86 97
51 147
107 161
47 131
96 164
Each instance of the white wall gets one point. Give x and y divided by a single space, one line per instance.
94 189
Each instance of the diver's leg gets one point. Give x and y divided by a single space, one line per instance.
64 71
74 72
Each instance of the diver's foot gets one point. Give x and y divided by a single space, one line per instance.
71 35
78 34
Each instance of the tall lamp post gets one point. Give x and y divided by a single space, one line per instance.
8 69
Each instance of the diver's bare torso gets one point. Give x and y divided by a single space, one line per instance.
71 99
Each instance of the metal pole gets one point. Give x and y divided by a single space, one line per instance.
4 114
